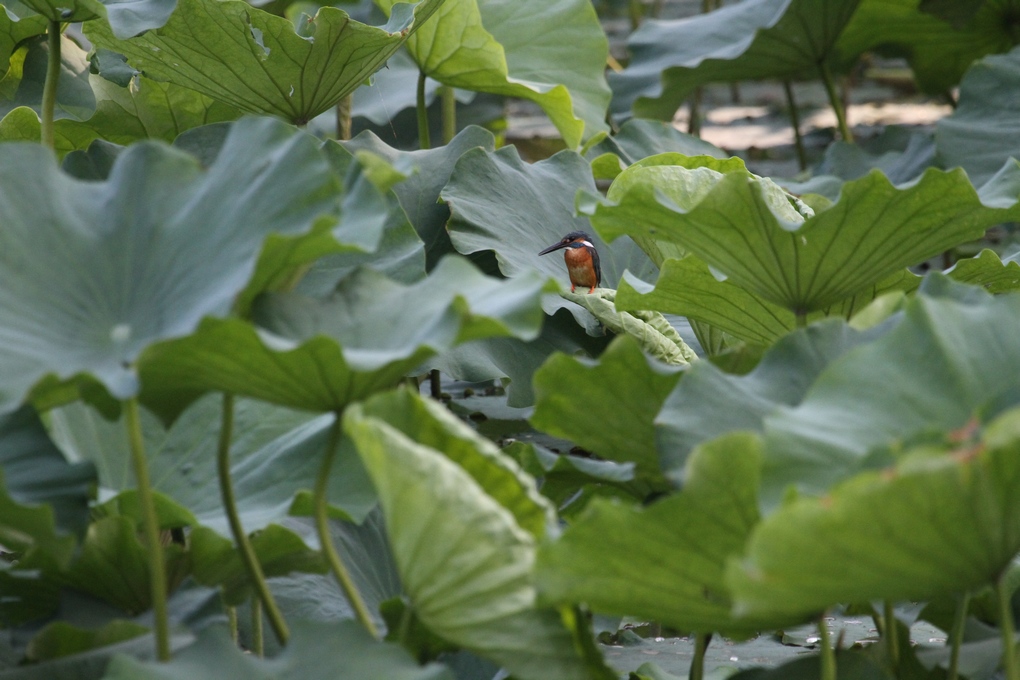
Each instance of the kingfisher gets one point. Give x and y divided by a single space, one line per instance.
582 260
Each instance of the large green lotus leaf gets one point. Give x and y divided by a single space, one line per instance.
606 407
45 489
258 62
709 402
551 53
939 52
640 138
465 563
113 565
651 329
27 76
665 561
687 287
940 365
535 205
61 639
309 656
431 424
982 133
428 172
935 523
148 109
156 266
681 180
13 30
334 247
762 242
275 454
750 40
987 270
320 355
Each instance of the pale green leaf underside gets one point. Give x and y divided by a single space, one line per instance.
464 562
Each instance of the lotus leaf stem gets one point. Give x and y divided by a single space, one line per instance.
435 384
834 100
801 318
423 114
1009 663
157 569
892 635
336 565
49 98
701 641
244 546
343 117
798 138
232 622
957 637
449 99
828 654
258 640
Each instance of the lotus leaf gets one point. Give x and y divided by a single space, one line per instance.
749 40
62 318
581 401
552 53
466 565
259 63
682 544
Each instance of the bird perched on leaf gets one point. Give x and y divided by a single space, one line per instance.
582 260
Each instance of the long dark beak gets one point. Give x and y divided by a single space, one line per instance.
555 246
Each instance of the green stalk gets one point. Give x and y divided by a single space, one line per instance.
1009 664
798 139
957 637
837 104
892 636
423 115
157 569
697 671
801 318
435 384
828 654
322 525
258 640
449 100
49 98
232 622
244 546
343 118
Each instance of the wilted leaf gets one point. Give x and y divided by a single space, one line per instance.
258 62
61 318
650 328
